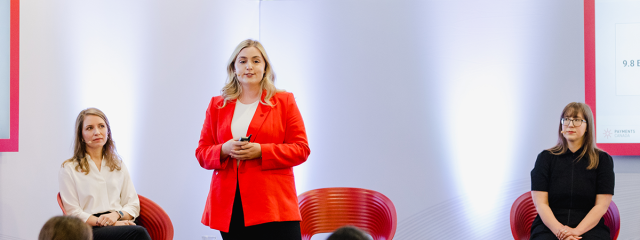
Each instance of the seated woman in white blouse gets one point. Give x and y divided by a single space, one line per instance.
95 184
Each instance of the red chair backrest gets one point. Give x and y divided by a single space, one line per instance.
327 209
64 212
612 220
155 220
152 217
523 212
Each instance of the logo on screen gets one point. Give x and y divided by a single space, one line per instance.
607 133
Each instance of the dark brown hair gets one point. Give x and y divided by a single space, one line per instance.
65 228
109 153
348 233
588 140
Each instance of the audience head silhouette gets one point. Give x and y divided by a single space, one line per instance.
348 233
65 228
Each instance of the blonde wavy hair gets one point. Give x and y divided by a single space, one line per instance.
232 89
588 140
109 153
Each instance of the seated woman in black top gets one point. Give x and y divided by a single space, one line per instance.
572 183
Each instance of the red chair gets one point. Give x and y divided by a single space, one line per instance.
155 220
64 212
152 217
523 212
327 209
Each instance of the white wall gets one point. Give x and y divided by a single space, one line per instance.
5 41
151 66
440 105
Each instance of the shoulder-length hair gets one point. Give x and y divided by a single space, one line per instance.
109 153
232 89
588 140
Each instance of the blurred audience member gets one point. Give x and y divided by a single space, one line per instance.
348 233
65 228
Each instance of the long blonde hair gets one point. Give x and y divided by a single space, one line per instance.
109 153
232 89
588 143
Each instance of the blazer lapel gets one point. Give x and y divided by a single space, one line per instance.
257 121
226 115
258 118
254 127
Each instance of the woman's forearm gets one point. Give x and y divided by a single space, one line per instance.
548 218
592 219
596 213
126 216
92 221
211 156
541 201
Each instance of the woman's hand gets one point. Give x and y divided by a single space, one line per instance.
246 150
567 232
124 223
227 147
107 219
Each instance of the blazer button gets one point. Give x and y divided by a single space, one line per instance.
261 115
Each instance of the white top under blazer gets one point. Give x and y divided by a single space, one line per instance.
242 116
99 191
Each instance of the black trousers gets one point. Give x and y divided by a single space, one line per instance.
289 230
120 232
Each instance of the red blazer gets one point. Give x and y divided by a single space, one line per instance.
266 184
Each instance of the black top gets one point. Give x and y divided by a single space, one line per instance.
572 189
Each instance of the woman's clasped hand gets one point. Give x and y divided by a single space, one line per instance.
111 219
107 219
241 150
568 233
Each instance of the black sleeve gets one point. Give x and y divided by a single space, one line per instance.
606 177
540 173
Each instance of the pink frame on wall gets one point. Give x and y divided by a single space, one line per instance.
11 144
590 79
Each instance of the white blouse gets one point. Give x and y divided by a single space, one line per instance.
99 191
242 116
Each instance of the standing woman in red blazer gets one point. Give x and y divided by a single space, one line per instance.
252 193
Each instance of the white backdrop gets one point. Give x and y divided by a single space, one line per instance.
5 41
440 105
